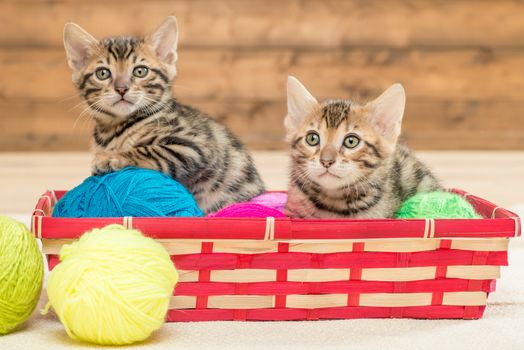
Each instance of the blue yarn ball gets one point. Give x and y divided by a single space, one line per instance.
128 192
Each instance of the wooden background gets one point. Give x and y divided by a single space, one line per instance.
461 62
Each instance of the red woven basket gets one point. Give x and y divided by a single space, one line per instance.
296 269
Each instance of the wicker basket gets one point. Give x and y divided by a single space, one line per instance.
290 269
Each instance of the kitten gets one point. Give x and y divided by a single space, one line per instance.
126 82
345 160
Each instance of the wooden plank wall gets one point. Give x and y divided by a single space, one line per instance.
461 62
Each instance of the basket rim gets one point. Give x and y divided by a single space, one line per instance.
497 222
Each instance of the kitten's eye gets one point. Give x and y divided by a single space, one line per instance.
103 73
312 139
140 71
351 141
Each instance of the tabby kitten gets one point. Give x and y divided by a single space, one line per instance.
126 82
345 160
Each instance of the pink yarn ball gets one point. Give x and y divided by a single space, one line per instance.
247 210
275 200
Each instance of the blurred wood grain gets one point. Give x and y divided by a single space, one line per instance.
261 73
261 23
461 62
442 124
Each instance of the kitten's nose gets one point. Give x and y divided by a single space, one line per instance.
327 162
328 156
122 89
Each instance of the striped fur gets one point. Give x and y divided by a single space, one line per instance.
368 181
151 129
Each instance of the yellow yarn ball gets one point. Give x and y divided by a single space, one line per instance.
112 287
21 273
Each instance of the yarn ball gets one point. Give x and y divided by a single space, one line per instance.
436 205
128 192
275 200
21 273
112 286
247 210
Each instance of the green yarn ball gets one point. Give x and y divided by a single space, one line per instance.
21 274
436 205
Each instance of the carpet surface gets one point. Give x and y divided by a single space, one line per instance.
501 328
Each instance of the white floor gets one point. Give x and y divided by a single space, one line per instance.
497 176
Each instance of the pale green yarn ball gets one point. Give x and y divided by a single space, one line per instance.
21 273
436 205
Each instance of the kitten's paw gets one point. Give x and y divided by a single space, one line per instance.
107 162
292 213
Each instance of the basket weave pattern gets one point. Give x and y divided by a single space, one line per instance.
287 269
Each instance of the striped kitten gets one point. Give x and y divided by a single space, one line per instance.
345 160
126 82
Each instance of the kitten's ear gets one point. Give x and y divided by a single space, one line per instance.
299 104
387 111
164 41
78 44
